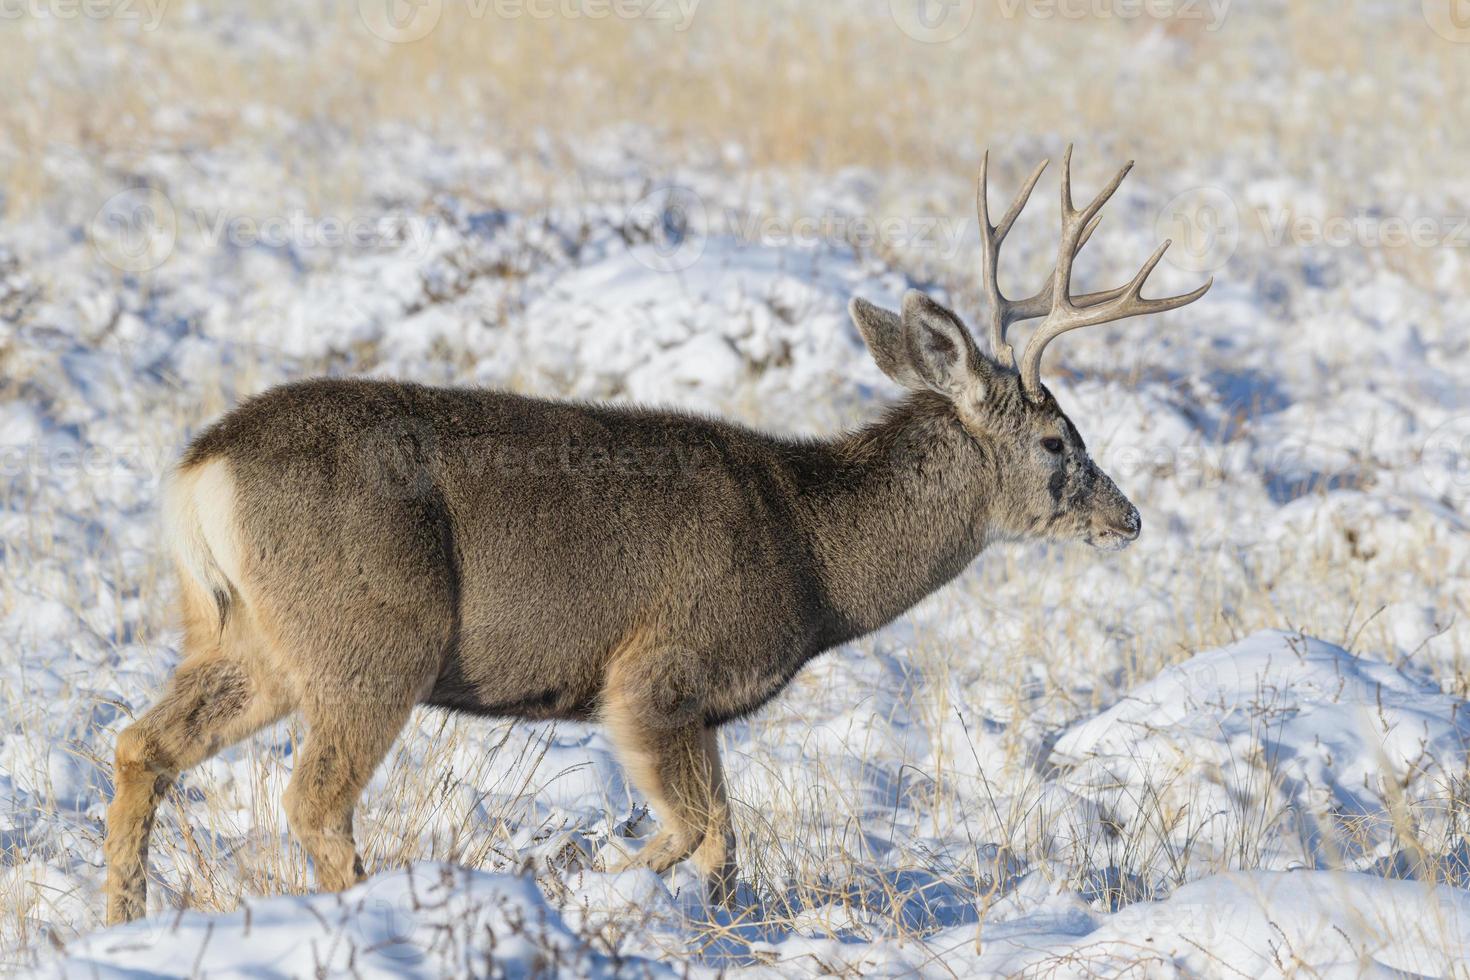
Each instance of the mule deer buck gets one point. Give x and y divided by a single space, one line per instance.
349 549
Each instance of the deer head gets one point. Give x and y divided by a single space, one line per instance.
1048 486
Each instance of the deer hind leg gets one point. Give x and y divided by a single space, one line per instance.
212 702
348 737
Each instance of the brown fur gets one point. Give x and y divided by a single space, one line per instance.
349 549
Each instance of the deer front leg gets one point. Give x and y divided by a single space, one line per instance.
715 856
666 769
671 757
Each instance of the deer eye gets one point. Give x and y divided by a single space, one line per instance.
1052 445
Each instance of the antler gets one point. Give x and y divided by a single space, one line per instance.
1004 312
1055 301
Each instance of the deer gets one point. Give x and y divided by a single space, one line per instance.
349 549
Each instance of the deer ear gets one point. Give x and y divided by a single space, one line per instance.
939 347
883 333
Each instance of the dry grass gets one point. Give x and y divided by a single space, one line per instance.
789 84
803 90
804 831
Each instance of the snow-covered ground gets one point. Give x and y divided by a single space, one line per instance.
1238 747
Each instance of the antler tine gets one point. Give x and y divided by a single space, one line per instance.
1055 301
1077 227
1062 310
1003 312
1022 197
1040 304
1126 302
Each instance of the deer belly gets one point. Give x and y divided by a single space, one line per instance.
497 681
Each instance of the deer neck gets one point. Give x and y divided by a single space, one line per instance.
904 506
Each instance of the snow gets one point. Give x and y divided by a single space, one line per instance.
1262 923
432 920
1281 729
1237 747
424 921
1258 736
